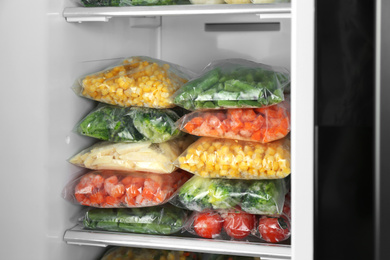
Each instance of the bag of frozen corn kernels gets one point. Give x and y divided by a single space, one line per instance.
227 158
136 81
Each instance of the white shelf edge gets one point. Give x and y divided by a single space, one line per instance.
79 236
83 14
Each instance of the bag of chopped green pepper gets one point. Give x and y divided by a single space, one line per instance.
129 124
234 83
157 220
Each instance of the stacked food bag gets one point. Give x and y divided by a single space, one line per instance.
129 172
241 161
209 154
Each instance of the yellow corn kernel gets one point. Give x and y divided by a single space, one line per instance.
243 166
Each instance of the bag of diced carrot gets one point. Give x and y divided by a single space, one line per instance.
263 125
136 81
235 159
113 189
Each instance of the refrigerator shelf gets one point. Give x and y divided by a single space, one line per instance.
80 236
104 14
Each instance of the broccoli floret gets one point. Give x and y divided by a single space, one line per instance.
194 194
264 197
222 194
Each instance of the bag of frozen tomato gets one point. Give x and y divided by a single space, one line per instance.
142 156
261 197
129 124
234 83
113 189
235 159
235 224
158 220
263 125
136 81
130 253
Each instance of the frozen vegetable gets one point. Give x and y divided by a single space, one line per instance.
96 3
127 253
265 197
235 224
141 156
232 224
136 81
162 220
108 189
129 124
228 158
259 124
234 83
274 229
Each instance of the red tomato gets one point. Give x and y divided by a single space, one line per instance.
274 229
239 225
208 224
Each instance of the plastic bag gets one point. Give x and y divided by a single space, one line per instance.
136 81
129 124
141 156
116 189
262 197
238 225
234 83
234 159
259 124
158 220
127 253
159 2
96 3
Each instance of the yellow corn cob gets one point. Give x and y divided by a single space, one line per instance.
236 159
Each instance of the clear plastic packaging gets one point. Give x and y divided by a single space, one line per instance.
262 125
158 220
234 159
129 124
261 197
234 83
238 225
116 189
136 81
127 253
141 156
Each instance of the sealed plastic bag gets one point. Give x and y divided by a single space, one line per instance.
129 124
96 3
158 220
238 225
234 83
136 81
234 159
127 253
117 189
263 125
141 156
262 197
